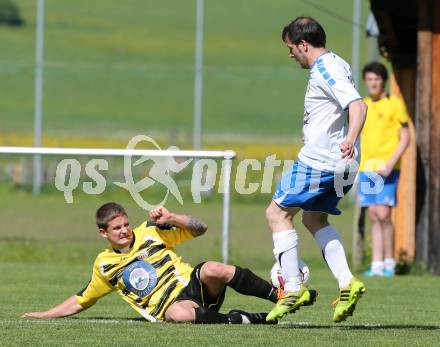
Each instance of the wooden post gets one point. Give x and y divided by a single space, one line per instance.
427 106
403 215
423 126
434 169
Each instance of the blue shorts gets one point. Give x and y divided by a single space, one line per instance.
374 192
308 189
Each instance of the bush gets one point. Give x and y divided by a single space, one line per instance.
9 13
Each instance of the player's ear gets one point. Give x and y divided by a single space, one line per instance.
305 46
102 233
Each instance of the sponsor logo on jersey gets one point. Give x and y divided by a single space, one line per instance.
139 278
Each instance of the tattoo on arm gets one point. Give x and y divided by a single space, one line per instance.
196 227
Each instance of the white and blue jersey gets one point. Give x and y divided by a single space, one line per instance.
329 93
310 182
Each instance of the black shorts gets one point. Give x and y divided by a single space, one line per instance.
196 291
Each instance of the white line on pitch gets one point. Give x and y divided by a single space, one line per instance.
69 321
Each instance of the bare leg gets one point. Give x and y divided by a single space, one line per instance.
315 221
376 234
181 312
384 216
215 276
279 218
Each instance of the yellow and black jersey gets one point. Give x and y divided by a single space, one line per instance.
380 135
149 277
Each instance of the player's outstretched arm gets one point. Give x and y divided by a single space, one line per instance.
162 216
357 112
67 308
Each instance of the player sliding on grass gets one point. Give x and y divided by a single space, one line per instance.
142 266
334 114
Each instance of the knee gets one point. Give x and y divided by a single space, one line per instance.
380 215
384 216
214 270
270 214
180 315
275 215
372 213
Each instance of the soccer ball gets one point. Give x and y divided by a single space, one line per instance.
277 279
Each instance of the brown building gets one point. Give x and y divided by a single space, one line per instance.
410 40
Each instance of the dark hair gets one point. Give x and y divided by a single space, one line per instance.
108 212
377 68
304 28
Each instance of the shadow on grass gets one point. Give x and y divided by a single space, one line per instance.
289 325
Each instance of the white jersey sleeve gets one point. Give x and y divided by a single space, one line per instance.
338 82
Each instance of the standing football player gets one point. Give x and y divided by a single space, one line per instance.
334 114
385 138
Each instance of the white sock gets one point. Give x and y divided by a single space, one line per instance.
377 267
245 319
286 253
334 254
389 264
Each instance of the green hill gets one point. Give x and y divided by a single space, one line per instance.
114 69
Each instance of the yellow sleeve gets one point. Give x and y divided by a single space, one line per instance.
173 235
402 114
95 289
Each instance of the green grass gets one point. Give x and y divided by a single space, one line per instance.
127 68
115 69
47 248
384 316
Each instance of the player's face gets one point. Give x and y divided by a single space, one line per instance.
375 84
118 232
298 52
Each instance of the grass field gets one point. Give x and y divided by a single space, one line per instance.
47 248
116 69
127 68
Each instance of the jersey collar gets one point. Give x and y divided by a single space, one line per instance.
319 57
126 249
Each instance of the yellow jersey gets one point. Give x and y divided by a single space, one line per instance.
149 277
380 136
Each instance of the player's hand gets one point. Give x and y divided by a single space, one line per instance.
161 215
34 315
347 149
385 170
